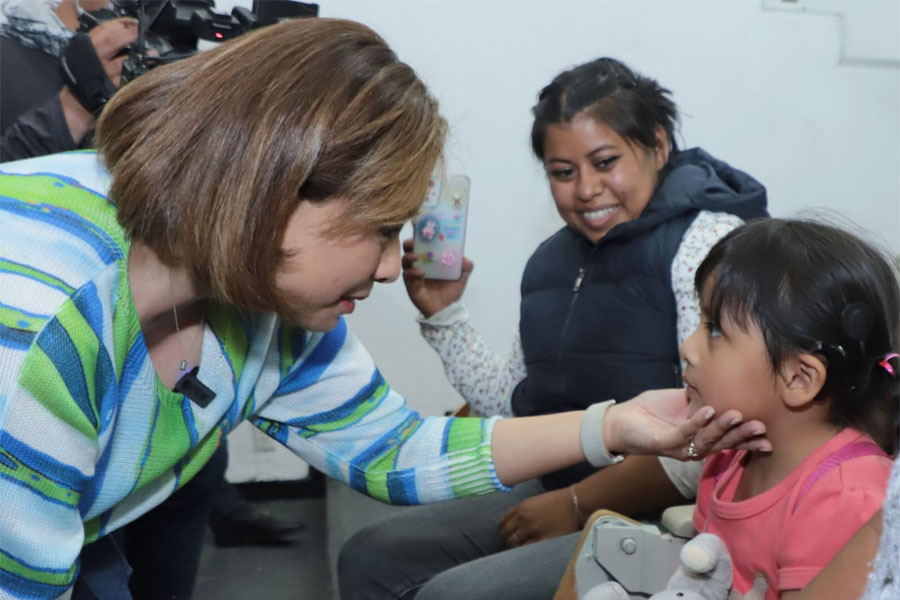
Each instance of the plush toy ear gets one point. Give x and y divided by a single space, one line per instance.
705 571
698 559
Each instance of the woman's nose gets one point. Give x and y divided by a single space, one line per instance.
388 269
588 186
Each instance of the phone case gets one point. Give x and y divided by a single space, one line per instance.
440 228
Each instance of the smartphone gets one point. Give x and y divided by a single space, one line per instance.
440 228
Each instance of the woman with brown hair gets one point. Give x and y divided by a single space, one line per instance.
193 273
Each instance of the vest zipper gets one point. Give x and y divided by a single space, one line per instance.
578 279
565 326
576 288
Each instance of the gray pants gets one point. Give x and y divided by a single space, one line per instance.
451 550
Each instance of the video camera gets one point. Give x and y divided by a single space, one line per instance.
169 30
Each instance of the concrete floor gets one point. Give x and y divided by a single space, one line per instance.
297 571
302 570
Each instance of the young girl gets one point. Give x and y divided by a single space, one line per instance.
799 331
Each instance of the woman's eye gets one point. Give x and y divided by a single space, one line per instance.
606 163
561 174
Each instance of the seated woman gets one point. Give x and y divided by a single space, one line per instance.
606 302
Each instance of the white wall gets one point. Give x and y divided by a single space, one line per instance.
758 85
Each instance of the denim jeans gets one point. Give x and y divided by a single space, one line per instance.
450 550
157 555
104 571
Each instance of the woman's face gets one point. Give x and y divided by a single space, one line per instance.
597 178
324 274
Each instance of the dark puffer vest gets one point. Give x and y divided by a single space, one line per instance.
598 320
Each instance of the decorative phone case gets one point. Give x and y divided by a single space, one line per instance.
440 228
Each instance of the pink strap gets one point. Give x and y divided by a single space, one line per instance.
848 452
723 465
885 363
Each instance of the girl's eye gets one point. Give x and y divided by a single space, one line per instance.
606 163
712 329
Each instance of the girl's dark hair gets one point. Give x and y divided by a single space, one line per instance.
812 287
605 89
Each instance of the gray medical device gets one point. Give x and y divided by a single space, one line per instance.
639 556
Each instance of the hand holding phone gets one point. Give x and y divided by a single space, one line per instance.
430 294
440 228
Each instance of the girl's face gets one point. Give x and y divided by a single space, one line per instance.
323 275
729 368
597 178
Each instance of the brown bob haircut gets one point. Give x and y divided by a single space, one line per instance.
210 155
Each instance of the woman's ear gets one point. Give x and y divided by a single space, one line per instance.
661 148
803 377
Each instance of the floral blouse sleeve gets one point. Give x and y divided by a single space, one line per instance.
483 378
707 229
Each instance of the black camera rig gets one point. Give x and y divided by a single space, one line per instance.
168 30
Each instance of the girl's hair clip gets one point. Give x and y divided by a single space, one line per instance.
885 363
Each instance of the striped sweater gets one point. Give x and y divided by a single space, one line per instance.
89 437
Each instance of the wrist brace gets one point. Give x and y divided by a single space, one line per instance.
592 443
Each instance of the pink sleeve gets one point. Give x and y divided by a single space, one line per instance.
828 515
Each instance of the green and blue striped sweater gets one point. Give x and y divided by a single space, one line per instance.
89 437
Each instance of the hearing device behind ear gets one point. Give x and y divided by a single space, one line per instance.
857 320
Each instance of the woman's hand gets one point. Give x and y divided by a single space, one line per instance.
664 422
538 518
431 296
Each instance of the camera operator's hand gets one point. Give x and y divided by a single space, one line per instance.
110 39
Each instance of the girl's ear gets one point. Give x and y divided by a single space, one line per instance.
803 377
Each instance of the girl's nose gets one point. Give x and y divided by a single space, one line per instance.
688 348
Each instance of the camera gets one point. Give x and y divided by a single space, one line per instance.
169 30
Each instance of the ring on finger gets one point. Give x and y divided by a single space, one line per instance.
514 540
692 450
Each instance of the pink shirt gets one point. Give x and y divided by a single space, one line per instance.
789 532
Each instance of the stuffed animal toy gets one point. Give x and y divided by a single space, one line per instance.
704 574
